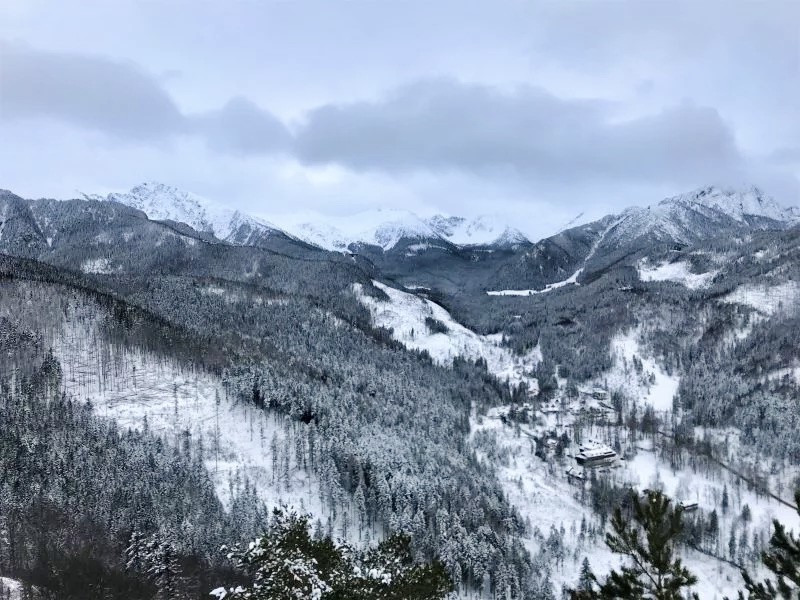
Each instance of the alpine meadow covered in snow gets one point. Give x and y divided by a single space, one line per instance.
399 301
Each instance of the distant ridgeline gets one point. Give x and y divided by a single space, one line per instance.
253 374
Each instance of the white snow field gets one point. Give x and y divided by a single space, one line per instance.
405 314
652 387
543 495
678 272
571 280
767 300
10 589
175 401
99 266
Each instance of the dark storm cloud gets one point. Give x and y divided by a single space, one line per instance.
444 124
123 101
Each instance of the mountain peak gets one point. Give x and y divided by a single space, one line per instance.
386 227
735 203
160 201
483 230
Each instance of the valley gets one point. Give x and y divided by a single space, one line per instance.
400 386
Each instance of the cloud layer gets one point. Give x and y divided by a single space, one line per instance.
445 124
122 100
430 125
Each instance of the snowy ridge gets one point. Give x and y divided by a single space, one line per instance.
737 204
700 214
161 202
379 227
484 230
387 227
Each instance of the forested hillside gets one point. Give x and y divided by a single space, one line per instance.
168 389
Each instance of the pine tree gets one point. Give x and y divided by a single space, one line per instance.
287 563
725 501
782 559
165 570
587 579
649 542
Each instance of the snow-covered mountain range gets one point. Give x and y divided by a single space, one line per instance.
684 218
163 202
702 213
378 227
608 309
387 227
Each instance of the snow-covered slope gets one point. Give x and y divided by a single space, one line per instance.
485 230
387 227
378 227
173 400
405 314
163 202
700 214
679 272
12 589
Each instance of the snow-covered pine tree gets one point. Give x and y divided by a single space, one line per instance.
783 560
649 542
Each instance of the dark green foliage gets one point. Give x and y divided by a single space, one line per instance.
435 325
287 563
386 420
72 487
653 572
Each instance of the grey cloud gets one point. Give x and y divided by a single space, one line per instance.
786 156
240 127
122 100
444 124
97 93
432 125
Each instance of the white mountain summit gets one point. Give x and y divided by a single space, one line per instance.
387 227
163 202
700 214
686 217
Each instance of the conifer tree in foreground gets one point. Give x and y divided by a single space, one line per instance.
783 559
653 572
287 563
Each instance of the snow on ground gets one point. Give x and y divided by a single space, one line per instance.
768 300
10 589
778 374
679 272
645 470
542 495
100 266
571 280
652 387
405 314
174 400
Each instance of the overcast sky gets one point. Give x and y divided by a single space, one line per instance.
536 110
